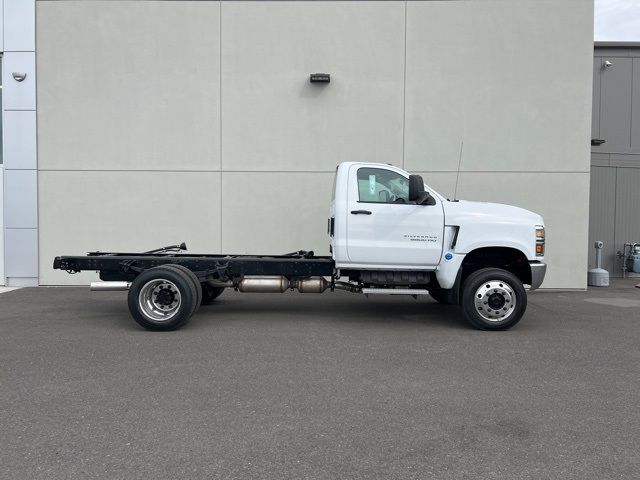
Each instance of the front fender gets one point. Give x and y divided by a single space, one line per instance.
519 237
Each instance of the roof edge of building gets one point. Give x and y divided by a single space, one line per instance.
599 44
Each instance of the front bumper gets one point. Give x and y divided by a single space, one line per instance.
538 270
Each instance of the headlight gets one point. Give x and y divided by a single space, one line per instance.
540 239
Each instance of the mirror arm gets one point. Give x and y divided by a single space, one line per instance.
428 199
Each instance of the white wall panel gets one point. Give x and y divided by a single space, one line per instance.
274 119
21 193
276 212
125 211
19 27
19 139
18 95
129 85
2 251
21 254
491 73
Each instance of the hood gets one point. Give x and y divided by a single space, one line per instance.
463 211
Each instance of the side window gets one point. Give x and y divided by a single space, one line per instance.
378 185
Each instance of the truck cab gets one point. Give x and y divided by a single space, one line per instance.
378 225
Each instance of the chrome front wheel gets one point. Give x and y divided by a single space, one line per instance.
495 300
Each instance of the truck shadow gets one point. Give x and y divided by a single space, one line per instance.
111 312
341 309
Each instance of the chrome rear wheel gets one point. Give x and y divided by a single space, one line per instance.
160 299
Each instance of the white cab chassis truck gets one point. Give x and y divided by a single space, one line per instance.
390 234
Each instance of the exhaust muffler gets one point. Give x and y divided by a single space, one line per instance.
109 286
280 284
264 285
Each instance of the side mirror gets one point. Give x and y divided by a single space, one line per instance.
417 194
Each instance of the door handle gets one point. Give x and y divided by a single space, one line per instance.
360 212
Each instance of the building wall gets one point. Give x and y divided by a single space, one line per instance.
19 223
196 121
615 164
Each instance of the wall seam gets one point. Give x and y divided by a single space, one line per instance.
220 114
631 111
308 171
404 88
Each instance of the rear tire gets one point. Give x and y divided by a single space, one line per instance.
493 299
210 293
161 298
194 279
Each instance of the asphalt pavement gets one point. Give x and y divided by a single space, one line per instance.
331 386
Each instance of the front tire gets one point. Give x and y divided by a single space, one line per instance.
493 299
162 298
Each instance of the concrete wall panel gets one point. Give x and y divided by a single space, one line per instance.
275 213
490 73
125 211
129 85
274 119
442 182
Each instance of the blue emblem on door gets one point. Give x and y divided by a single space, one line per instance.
448 256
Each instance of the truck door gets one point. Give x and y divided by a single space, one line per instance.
384 228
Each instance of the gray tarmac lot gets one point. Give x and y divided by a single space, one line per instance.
321 387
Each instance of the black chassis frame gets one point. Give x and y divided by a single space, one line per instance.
127 266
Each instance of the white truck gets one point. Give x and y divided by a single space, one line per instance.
389 234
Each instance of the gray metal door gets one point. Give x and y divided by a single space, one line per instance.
615 104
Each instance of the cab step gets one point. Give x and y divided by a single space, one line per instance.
395 291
